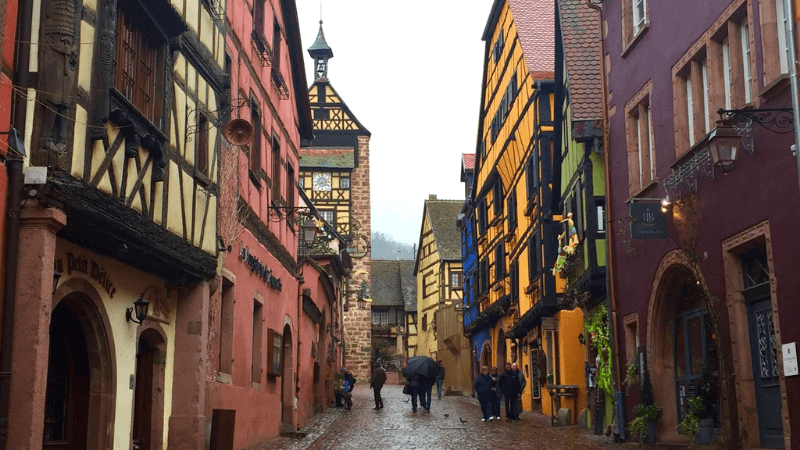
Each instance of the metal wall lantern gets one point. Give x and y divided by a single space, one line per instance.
139 309
362 303
56 278
723 144
310 230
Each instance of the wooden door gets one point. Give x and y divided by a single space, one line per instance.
143 397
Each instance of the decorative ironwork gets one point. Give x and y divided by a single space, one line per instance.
767 348
262 48
291 213
213 118
688 170
280 84
777 120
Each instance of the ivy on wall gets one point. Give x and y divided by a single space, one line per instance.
597 326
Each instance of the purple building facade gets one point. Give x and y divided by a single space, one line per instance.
704 282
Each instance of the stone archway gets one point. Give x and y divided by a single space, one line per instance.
80 324
675 285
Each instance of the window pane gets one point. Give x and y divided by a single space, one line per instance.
601 218
650 141
694 329
745 36
690 110
704 68
726 72
783 49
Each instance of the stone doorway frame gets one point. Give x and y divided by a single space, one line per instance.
732 248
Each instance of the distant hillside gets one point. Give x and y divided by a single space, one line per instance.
385 247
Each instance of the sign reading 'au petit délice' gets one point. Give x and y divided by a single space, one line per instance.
88 267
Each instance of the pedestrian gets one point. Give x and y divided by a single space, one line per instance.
522 384
414 390
483 389
440 380
496 394
509 385
376 383
426 390
349 382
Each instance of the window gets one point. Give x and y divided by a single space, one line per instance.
601 218
201 158
726 72
385 317
532 176
499 262
704 76
483 274
276 166
512 211
482 219
456 280
514 275
301 182
376 317
289 185
344 183
328 216
497 51
497 197
635 20
225 334
744 36
276 52
258 17
274 352
639 129
689 109
258 331
424 322
783 48
139 71
255 146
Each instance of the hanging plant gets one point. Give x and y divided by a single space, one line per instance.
597 326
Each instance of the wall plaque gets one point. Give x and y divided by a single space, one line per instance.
647 221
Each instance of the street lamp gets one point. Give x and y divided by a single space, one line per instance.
723 143
139 309
309 231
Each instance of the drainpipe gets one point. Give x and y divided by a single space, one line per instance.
790 40
611 301
15 179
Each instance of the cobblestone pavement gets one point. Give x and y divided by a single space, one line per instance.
396 427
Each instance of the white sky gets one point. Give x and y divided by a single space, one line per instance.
411 72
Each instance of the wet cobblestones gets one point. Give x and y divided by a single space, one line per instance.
396 427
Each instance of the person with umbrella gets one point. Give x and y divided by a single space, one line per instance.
421 371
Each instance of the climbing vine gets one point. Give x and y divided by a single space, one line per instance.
597 326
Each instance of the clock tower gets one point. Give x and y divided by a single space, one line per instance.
334 172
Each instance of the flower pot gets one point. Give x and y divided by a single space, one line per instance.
706 431
651 432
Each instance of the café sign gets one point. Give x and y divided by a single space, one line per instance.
258 268
88 266
647 221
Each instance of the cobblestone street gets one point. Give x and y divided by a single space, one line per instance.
396 427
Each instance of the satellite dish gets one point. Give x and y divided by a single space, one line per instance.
239 132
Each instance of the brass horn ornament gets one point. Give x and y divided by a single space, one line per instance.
239 132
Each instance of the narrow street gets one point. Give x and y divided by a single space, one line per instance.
396 427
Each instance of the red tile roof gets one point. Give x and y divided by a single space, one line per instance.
580 26
535 21
469 161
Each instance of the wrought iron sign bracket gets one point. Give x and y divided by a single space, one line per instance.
776 120
291 213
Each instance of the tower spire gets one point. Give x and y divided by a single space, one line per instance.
321 53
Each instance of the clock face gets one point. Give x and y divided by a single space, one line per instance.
322 181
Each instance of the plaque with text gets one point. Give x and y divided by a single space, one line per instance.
647 221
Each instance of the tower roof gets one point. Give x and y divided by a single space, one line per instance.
320 47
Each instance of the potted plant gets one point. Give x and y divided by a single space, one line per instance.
707 393
689 426
646 413
550 378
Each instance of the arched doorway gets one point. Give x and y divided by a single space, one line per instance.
501 350
287 381
148 406
79 398
681 343
486 355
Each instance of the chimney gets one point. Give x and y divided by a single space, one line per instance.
431 196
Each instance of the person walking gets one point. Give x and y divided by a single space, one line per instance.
509 385
440 380
483 389
414 390
376 383
496 394
349 382
522 384
426 386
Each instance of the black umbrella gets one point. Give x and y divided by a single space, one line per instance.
423 366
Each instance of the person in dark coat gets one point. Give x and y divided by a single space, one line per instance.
485 393
497 394
349 382
522 383
414 385
426 389
510 387
376 383
440 380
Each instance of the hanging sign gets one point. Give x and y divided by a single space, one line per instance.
647 221
257 267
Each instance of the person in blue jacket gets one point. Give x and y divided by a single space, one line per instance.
485 393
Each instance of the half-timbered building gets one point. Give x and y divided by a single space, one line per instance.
118 104
334 172
393 286
515 224
437 268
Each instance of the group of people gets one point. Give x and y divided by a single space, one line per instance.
491 387
420 387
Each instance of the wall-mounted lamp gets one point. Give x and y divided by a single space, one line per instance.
362 304
56 277
723 143
525 347
309 231
139 309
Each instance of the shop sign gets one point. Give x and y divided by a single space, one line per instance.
257 267
647 221
88 266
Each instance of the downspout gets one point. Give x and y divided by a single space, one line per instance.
790 39
611 302
14 168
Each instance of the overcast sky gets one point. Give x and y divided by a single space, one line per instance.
410 71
